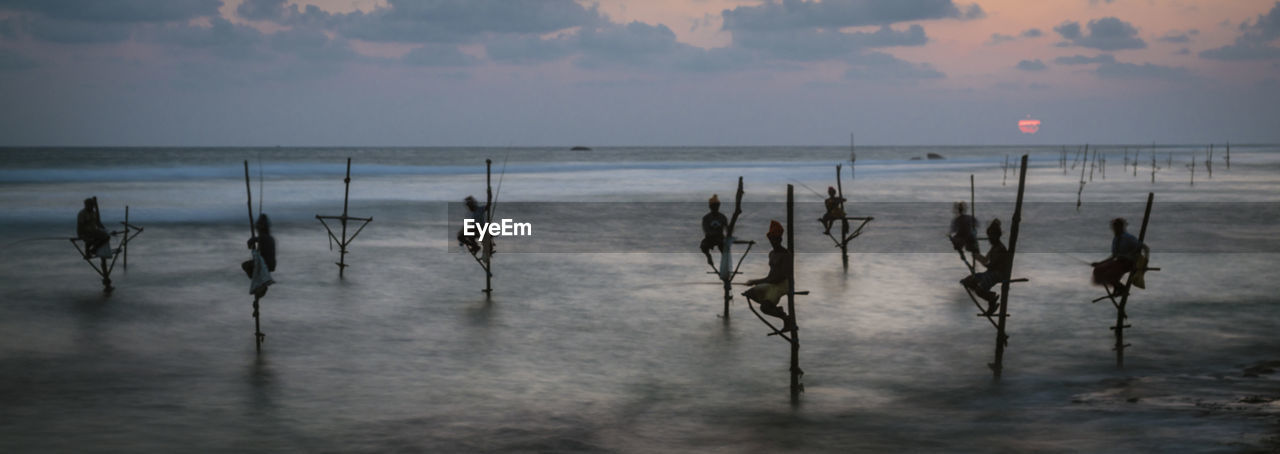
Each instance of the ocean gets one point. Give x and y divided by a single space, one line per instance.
604 333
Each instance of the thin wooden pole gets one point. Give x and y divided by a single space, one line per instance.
1121 315
125 246
973 208
488 259
844 223
796 387
1001 338
1228 158
1208 162
257 326
728 278
1080 192
342 249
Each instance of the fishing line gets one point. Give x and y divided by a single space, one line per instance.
793 180
494 209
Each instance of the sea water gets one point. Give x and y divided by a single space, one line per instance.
604 331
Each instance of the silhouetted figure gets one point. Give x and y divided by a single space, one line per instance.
998 262
90 229
768 290
478 215
265 246
964 231
713 225
835 210
1125 254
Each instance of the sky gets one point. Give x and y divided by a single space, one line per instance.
636 72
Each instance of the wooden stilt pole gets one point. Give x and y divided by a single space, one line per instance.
1228 158
125 246
1002 339
1208 162
1080 192
346 195
844 223
1121 315
796 387
253 232
733 222
487 251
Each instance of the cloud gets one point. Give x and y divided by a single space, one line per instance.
1083 60
261 9
529 50
1108 33
126 11
1120 70
457 21
1178 37
1183 51
642 46
1095 2
74 31
997 38
835 14
819 44
1255 40
880 66
311 45
1031 33
438 55
1031 65
221 38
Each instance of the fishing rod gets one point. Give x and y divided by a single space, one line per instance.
501 174
793 180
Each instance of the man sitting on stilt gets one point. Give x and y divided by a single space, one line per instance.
964 231
835 210
768 290
90 230
263 263
998 263
713 225
477 215
1126 251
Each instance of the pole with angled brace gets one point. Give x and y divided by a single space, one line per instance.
846 235
1002 339
343 241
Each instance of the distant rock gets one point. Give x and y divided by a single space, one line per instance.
934 156
580 148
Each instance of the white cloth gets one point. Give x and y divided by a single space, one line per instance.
261 276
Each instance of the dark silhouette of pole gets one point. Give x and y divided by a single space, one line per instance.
125 246
486 249
253 233
726 276
1002 339
1121 315
343 241
796 387
844 221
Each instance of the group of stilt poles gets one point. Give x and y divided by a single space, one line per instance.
343 240
1121 315
726 275
104 267
845 235
253 233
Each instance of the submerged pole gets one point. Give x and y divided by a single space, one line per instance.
1228 158
1001 338
253 233
488 254
733 222
346 195
796 387
844 223
1121 315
